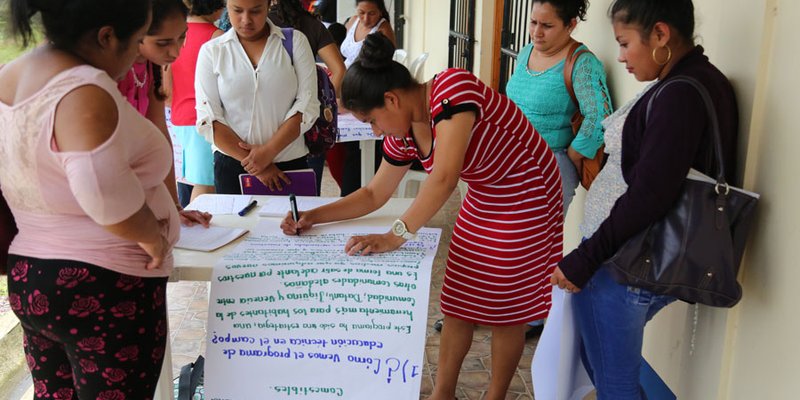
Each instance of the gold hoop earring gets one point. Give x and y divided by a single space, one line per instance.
662 63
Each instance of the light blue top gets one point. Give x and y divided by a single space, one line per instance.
543 97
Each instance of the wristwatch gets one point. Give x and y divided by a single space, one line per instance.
399 229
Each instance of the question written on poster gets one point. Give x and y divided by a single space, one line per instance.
296 317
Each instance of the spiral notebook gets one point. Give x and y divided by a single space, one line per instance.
303 183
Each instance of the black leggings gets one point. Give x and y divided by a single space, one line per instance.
89 332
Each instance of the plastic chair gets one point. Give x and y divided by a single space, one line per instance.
419 176
400 56
417 65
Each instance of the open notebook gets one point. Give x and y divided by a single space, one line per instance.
207 239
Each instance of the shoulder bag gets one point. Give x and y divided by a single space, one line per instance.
694 252
590 166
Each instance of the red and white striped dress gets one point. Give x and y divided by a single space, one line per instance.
508 235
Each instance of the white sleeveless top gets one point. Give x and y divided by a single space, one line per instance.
350 48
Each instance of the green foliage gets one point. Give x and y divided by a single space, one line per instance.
10 48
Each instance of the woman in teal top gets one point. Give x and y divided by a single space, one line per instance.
537 87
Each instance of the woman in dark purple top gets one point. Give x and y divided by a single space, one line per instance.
656 43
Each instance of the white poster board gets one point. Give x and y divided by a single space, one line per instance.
295 317
353 130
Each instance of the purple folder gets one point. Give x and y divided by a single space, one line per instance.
303 183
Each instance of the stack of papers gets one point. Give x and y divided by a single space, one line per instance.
207 239
279 207
219 204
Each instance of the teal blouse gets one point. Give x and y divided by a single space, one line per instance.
543 97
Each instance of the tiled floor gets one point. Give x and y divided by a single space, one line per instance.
188 310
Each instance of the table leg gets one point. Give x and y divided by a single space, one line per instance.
367 161
165 389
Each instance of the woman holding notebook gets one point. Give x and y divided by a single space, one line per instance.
254 99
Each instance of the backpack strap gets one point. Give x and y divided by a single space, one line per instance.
288 35
569 66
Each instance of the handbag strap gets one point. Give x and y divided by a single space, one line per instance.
190 378
712 118
569 66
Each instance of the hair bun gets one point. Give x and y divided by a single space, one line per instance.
377 52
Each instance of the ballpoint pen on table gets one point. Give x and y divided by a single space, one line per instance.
248 208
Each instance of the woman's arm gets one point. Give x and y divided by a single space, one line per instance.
259 157
452 140
332 58
156 115
85 119
359 203
386 29
594 101
211 122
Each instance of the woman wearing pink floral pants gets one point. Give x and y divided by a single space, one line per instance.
112 326
83 174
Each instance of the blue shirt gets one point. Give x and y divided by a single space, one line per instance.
543 97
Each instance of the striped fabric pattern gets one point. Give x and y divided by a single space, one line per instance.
508 235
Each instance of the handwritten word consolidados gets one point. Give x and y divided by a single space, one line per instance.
306 390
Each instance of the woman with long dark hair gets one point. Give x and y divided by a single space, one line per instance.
88 269
656 150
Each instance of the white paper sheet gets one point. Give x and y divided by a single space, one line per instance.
207 239
558 373
219 204
294 316
353 130
278 207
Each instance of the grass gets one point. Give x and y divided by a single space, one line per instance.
9 50
3 287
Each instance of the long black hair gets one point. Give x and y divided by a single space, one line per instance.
372 74
204 7
161 10
646 13
289 11
67 21
568 9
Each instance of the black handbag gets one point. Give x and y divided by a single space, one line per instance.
694 252
190 381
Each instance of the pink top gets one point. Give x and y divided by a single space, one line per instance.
183 99
135 86
61 199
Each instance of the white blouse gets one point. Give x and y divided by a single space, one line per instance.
254 102
350 48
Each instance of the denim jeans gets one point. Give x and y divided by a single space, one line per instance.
611 318
569 178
